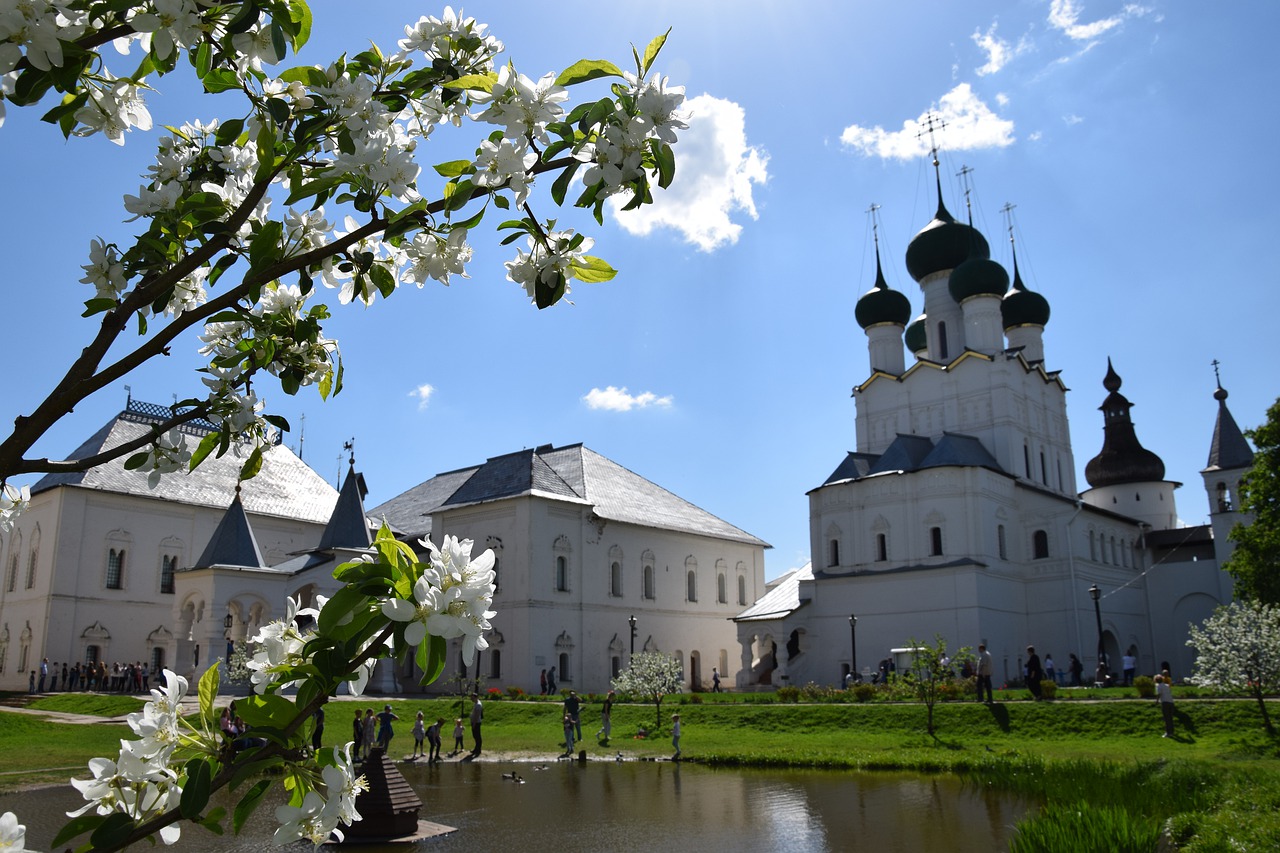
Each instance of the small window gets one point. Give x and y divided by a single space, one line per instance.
692 579
495 663
833 553
13 573
562 574
157 659
615 666
615 579
942 341
648 582
742 590
565 675
115 568
882 548
1000 542
935 541
722 591
168 563
1044 469
32 561
1026 460
1040 545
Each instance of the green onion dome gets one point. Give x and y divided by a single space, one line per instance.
944 244
882 304
978 277
1021 306
916 337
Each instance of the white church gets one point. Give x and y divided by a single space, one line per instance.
958 513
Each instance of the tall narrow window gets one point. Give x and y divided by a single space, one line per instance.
115 568
1026 460
833 553
692 579
722 591
33 559
882 548
615 666
648 582
168 563
495 663
742 590
942 341
497 575
565 675
1000 542
1040 545
562 574
13 573
615 579
157 659
1044 469
935 541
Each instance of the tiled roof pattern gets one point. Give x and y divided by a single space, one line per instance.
573 473
783 599
285 487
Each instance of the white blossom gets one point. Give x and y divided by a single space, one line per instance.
448 37
430 256
547 261
505 164
255 47
658 104
14 501
172 24
167 455
523 106
112 110
13 835
451 599
104 270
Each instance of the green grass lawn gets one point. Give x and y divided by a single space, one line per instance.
1101 769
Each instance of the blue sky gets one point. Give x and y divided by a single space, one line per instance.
1135 140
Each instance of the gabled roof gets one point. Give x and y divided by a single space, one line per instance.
1228 450
285 487
907 453
233 542
574 474
348 527
780 601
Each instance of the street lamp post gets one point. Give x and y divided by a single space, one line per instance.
1096 595
853 647
631 620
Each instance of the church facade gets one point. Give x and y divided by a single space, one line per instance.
958 513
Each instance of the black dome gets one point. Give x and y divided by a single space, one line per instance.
882 304
917 337
977 277
1123 458
1023 307
944 244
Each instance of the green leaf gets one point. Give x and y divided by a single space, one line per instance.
213 820
591 270
651 52
114 830
562 181
453 168
300 12
587 69
278 42
383 280
431 654
137 460
195 793
76 826
220 80
97 306
250 801
204 59
207 690
666 160
266 711
472 82
206 446
252 465
338 609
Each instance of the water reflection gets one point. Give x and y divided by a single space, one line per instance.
649 806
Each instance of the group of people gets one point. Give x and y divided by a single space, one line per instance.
93 676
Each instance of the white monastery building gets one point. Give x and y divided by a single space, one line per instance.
958 513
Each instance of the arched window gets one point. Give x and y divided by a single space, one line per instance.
648 582
1026 460
157 659
882 548
942 340
565 675
495 663
115 568
1044 469
935 541
742 590
1001 545
562 550
692 579
833 552
168 564
1093 545
33 557
615 579
15 547
1039 545
722 589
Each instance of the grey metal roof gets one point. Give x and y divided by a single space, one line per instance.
914 453
782 600
575 474
854 467
962 450
233 542
285 487
348 527
905 453
1229 450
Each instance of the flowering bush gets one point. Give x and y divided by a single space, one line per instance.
1238 649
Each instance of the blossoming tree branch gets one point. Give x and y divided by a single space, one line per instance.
315 184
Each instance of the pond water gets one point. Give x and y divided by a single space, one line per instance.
647 806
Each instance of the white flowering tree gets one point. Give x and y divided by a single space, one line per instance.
931 668
313 183
1238 648
652 675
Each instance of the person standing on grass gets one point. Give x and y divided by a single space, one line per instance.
1076 668
568 734
675 735
1035 673
434 740
458 745
551 681
1164 695
370 731
1130 665
573 707
606 711
384 726
357 733
44 673
984 674
715 680
542 683
419 735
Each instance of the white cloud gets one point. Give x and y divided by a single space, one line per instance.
715 168
1072 119
1035 136
970 125
618 400
1002 99
1065 16
999 52
423 393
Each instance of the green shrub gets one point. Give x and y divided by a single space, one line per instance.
1048 689
864 692
788 693
515 692
1146 686
1085 828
